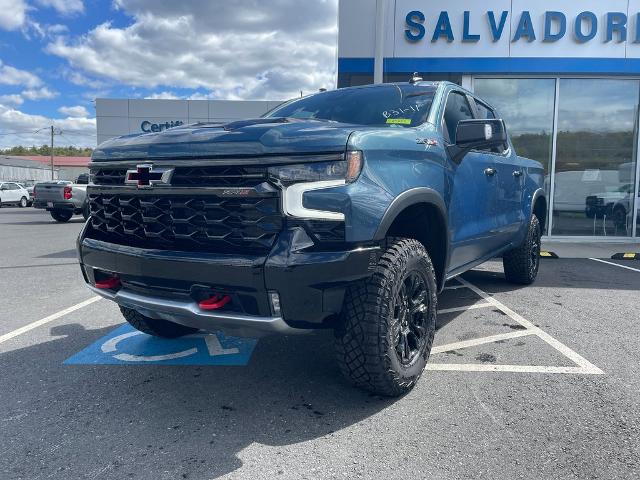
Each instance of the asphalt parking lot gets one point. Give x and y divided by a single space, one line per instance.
535 382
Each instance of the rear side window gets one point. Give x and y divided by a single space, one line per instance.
457 109
484 111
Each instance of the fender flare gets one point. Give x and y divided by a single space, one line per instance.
539 193
411 197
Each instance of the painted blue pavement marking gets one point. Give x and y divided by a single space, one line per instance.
127 346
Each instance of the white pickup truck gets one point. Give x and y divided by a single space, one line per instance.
62 199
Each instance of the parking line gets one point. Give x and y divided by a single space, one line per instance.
584 366
464 309
50 318
454 287
587 366
483 367
481 341
615 264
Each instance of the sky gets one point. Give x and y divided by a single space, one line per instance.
57 56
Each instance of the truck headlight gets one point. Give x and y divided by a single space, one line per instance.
300 178
347 170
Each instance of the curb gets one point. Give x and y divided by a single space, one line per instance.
626 256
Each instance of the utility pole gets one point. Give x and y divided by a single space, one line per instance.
51 152
53 132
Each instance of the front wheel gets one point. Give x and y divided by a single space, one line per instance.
155 327
61 215
384 339
521 264
23 202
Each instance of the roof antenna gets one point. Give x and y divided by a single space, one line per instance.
415 78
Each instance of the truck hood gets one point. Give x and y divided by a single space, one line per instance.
246 138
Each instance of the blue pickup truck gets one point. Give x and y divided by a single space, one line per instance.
344 210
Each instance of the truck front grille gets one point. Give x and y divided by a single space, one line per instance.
186 222
193 176
109 176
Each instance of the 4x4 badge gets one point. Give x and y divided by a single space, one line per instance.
146 176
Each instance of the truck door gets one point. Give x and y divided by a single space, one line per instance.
510 181
473 185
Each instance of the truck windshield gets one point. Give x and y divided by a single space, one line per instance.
387 105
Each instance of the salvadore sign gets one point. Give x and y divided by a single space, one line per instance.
518 28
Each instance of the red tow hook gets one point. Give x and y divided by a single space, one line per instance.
215 302
108 283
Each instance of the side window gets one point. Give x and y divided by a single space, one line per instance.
13 186
457 109
484 111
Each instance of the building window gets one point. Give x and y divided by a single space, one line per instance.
595 159
527 107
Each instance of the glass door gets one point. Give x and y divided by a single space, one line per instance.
595 157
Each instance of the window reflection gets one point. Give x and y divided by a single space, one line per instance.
595 160
527 107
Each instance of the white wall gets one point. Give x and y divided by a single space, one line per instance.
25 174
117 117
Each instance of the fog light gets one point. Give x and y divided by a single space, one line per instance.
274 298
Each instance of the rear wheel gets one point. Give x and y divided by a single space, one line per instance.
23 202
155 327
384 340
85 211
521 264
61 215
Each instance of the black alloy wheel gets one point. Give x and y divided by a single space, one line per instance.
521 264
411 307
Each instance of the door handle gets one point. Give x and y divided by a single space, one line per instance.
489 172
517 173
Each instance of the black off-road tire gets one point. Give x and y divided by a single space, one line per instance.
61 216
85 211
366 341
521 264
155 327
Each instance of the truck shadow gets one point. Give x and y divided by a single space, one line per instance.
153 420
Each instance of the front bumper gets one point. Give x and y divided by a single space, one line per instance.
161 284
189 314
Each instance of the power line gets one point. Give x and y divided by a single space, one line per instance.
22 132
71 143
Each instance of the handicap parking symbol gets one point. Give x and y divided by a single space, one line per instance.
127 346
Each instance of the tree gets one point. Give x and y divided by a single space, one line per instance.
45 150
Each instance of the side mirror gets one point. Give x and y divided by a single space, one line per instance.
472 134
477 135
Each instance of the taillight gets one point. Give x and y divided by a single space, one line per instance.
33 194
67 193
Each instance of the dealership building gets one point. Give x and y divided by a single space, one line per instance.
564 75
